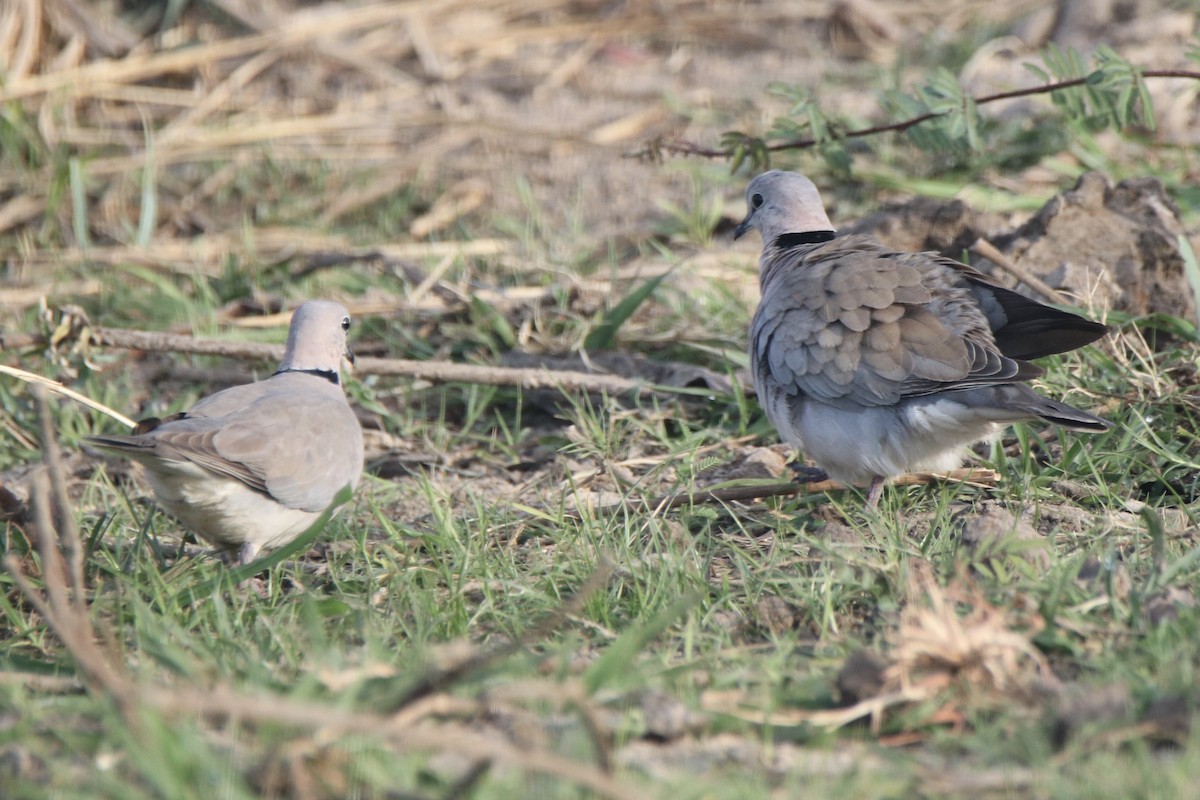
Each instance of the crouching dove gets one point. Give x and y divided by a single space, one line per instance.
876 362
254 466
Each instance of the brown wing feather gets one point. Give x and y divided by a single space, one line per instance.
846 321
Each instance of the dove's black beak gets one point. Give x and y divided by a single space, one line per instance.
350 356
742 227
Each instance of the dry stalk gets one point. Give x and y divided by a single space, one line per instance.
986 648
741 705
222 704
300 31
61 601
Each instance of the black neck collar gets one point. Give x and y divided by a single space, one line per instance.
786 240
328 374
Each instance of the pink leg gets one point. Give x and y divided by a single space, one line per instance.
874 491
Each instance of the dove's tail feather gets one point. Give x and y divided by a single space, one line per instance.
1020 397
1032 330
1047 335
125 445
1071 417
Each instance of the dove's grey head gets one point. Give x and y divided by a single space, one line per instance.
317 338
783 202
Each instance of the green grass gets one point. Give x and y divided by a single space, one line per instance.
481 593
684 611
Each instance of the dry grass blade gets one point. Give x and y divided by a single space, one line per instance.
270 245
221 704
985 651
739 705
61 601
58 388
301 30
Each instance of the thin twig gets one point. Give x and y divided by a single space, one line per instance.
686 148
985 249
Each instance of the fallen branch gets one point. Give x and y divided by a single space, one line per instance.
737 494
654 150
527 378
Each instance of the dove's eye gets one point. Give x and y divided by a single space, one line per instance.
756 200
345 323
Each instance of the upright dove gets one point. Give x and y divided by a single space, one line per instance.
253 466
876 362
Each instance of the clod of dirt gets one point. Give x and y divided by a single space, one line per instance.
666 718
1102 578
995 533
1084 706
17 763
861 677
1164 606
760 462
1108 246
12 508
924 223
1170 719
773 614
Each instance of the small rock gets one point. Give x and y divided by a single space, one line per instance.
1170 718
1079 706
986 533
667 718
1163 606
774 614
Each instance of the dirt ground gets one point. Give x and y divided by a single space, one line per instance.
466 102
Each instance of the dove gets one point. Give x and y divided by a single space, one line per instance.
876 362
253 466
